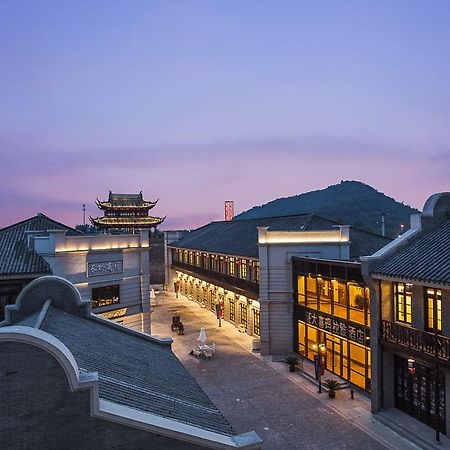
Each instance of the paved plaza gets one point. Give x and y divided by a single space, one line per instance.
257 394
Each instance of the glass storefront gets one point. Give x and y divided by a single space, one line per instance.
332 308
344 358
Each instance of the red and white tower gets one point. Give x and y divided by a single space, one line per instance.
229 210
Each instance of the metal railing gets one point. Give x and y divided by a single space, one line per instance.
421 341
220 278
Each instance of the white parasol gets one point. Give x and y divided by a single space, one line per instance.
202 336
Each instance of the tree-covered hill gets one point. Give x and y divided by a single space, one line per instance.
348 203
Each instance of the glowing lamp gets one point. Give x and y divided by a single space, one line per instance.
411 368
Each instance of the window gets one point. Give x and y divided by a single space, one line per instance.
244 319
301 289
221 264
232 310
213 301
197 259
191 258
106 295
256 322
402 294
206 260
311 292
358 303
244 268
339 298
325 294
433 310
232 266
257 272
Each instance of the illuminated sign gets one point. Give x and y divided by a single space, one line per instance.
104 268
338 327
114 314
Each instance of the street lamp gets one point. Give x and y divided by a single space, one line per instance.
319 363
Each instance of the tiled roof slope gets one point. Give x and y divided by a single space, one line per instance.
426 258
16 258
135 372
240 237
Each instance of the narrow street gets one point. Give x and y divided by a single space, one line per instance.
255 394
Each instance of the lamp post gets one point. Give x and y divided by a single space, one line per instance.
319 363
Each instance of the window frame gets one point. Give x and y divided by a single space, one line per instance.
401 305
108 302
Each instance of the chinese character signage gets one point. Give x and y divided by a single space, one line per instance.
104 268
114 314
335 325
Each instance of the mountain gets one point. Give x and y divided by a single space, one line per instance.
348 203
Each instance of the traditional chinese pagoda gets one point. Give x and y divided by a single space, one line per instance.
126 211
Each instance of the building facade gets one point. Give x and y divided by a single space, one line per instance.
225 285
332 311
293 282
111 271
410 317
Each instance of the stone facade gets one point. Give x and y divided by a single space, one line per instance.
418 260
95 261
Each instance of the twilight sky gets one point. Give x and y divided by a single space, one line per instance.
197 102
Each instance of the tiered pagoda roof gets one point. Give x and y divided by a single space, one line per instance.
126 211
125 202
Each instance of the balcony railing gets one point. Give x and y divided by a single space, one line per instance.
222 279
421 341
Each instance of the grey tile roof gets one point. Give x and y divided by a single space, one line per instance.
16 258
425 258
136 372
240 237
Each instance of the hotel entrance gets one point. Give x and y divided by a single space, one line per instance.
336 355
332 309
348 360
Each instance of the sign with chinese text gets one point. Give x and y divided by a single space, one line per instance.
114 314
104 268
335 325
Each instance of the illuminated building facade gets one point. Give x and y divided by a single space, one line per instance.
332 307
410 318
19 263
126 211
111 271
288 281
224 284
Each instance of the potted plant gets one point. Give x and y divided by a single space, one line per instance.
331 385
291 361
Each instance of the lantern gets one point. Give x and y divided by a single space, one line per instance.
411 368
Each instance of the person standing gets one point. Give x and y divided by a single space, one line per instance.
176 287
